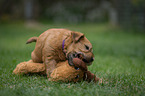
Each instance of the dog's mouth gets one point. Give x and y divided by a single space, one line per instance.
86 59
81 56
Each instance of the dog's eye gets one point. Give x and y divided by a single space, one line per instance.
87 47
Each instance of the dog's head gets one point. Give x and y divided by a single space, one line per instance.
80 47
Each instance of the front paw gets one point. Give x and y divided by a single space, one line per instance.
70 57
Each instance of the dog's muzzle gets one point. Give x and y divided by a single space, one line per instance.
86 59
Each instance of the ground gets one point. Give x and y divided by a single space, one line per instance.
119 62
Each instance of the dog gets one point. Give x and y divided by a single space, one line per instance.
57 45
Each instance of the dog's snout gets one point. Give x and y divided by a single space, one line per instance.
92 59
85 58
88 60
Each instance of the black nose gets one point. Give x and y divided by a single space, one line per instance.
92 59
88 60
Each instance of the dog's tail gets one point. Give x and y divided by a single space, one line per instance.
32 39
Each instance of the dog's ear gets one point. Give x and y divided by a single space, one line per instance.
76 36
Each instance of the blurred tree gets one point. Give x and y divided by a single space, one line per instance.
31 10
4 9
126 13
28 9
131 14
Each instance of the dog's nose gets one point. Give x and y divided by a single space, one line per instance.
89 60
92 59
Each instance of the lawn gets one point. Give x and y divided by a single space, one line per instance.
119 61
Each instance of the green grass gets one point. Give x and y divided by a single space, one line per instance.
119 61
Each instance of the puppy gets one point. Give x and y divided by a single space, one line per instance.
57 45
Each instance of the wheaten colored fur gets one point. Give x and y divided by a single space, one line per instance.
63 71
48 49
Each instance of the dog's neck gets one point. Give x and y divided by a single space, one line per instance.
63 45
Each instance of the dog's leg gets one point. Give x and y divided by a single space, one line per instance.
29 67
50 65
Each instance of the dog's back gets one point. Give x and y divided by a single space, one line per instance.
48 42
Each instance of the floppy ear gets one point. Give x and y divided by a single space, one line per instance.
76 36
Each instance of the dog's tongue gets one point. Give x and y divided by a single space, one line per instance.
80 64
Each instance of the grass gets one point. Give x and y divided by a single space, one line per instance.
119 61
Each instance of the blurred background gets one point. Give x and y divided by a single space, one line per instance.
116 29
128 14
